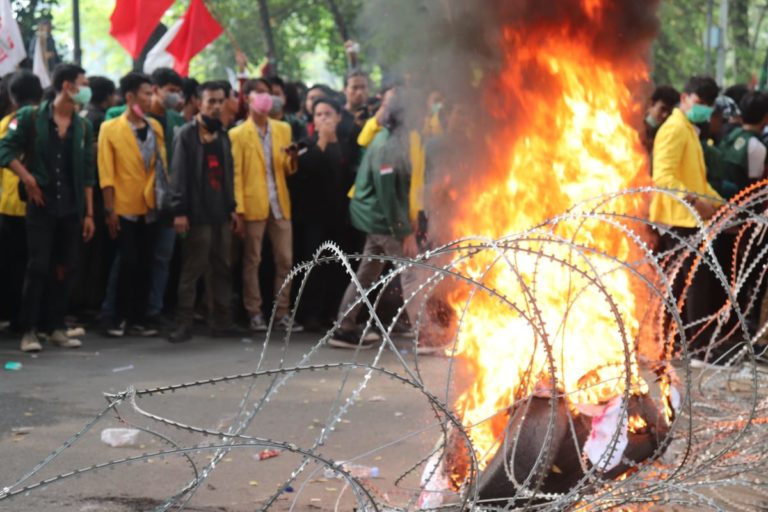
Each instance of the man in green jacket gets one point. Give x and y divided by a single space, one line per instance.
379 208
50 149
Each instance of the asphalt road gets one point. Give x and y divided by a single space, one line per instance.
56 393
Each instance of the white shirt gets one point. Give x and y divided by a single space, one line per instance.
756 152
266 144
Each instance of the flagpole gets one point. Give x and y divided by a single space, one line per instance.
76 26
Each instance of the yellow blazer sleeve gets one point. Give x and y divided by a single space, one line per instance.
418 163
667 154
369 132
290 166
238 159
106 155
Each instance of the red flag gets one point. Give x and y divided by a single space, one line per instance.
197 31
134 20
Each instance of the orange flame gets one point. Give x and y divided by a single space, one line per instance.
570 142
636 423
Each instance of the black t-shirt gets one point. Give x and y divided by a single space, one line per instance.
213 207
319 188
60 200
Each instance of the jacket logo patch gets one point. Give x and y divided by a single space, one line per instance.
386 169
739 144
13 124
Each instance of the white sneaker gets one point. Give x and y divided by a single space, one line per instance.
30 343
285 324
74 332
60 339
258 324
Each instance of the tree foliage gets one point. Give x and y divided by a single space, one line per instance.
29 12
680 49
307 36
300 28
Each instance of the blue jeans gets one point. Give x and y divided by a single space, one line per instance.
161 262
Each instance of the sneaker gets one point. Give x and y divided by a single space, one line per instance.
181 334
285 324
141 331
159 323
351 340
116 329
74 332
258 323
30 343
403 329
60 339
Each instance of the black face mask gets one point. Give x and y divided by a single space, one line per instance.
211 124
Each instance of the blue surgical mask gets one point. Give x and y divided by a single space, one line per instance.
700 113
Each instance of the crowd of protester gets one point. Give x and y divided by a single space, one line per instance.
711 146
144 207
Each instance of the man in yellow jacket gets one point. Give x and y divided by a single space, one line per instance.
678 164
131 152
263 156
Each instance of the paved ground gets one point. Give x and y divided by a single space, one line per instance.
57 392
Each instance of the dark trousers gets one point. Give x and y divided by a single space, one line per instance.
52 248
206 249
706 295
135 244
13 261
326 284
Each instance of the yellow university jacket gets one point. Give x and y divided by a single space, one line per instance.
122 167
10 202
678 163
251 193
418 165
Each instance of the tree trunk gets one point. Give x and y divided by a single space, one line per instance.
338 18
739 21
266 26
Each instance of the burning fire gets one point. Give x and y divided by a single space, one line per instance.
636 423
570 142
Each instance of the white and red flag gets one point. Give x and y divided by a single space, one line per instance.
11 44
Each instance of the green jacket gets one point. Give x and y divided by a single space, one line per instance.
173 121
380 203
17 140
735 159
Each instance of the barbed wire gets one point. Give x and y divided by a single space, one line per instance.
680 431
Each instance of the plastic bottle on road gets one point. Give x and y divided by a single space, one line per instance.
356 470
